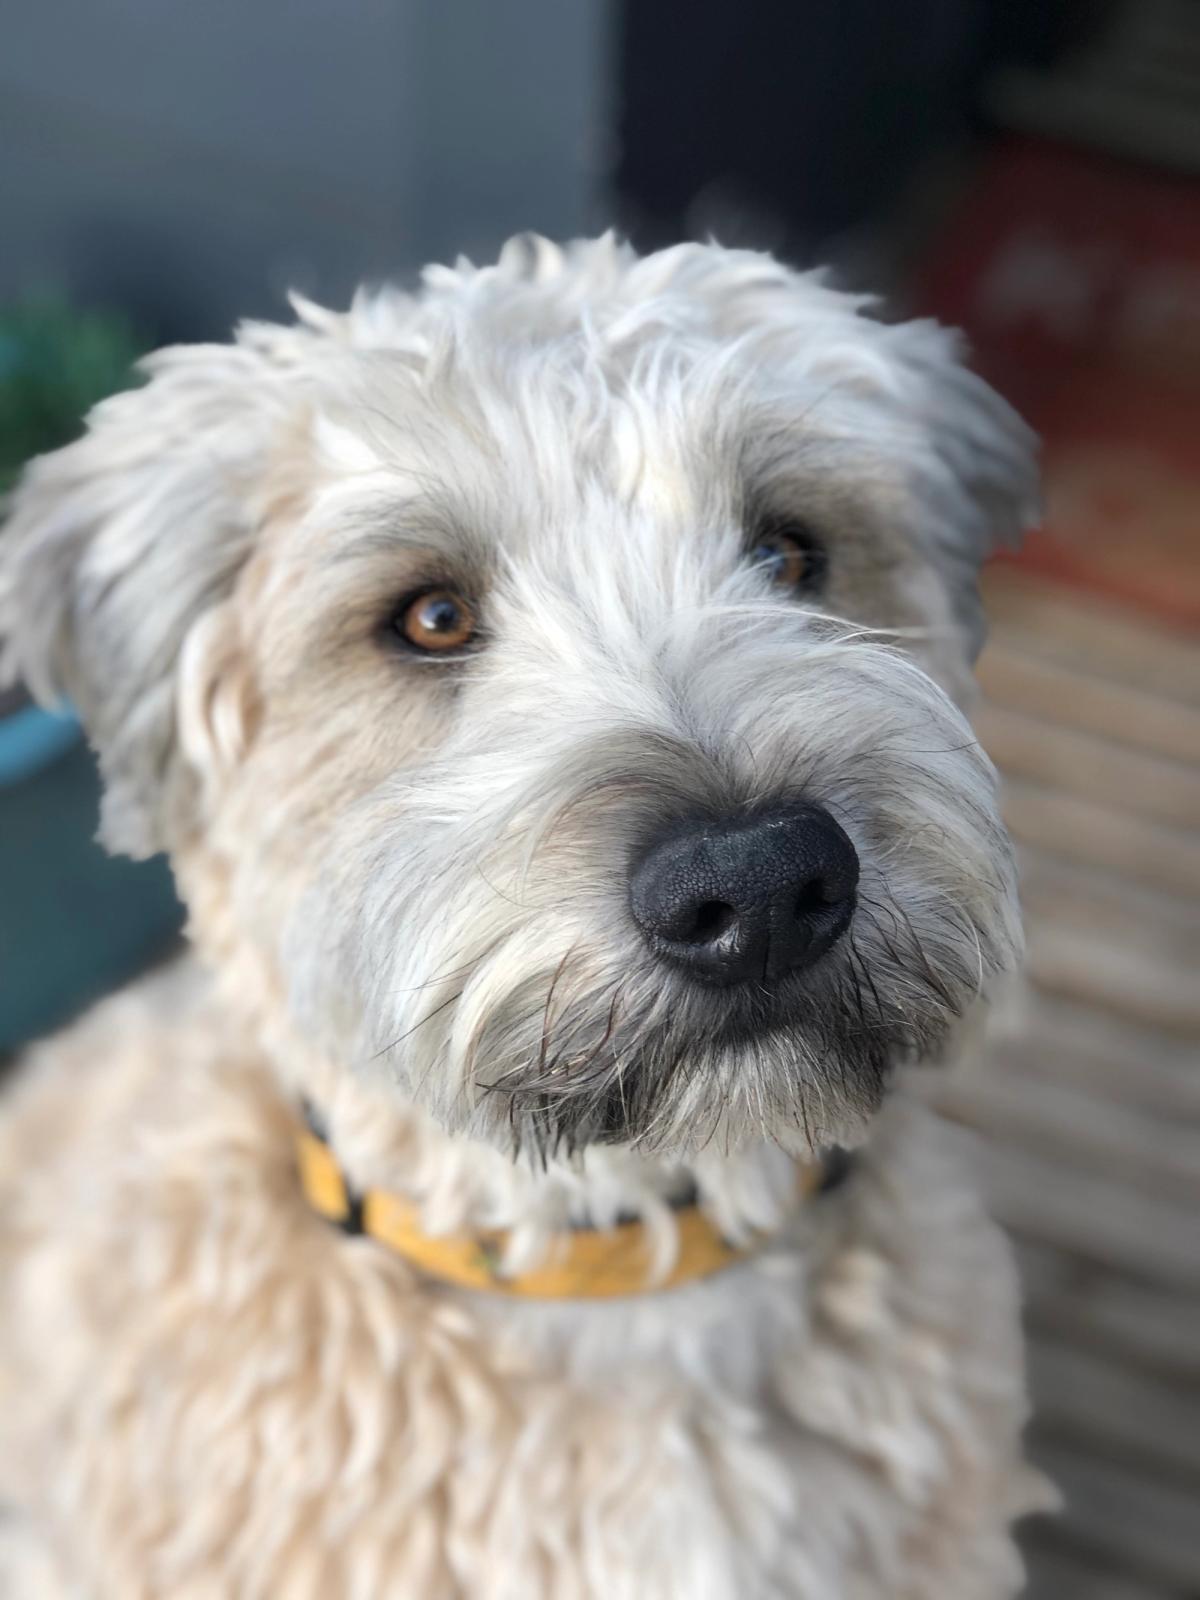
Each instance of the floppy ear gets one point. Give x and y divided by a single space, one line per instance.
976 480
116 545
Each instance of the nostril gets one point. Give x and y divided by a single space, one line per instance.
812 898
711 919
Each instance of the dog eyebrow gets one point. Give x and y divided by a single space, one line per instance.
416 523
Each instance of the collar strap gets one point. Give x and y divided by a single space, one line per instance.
582 1263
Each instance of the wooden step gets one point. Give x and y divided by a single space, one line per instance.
1024 745
1058 1570
1107 1053
1027 1108
1087 894
1146 1525
1129 1417
1151 1328
1091 1110
1088 831
1014 677
1089 635
1043 1199
1093 968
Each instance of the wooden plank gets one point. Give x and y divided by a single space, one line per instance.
1089 635
1028 1108
1027 746
1113 942
1129 1417
1059 1571
1041 1199
1014 677
1093 1108
1090 894
1154 1329
1084 830
1108 1053
1095 969
1145 1524
1143 1078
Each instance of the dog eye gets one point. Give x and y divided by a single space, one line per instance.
790 555
434 620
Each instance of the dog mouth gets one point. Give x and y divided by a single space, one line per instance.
814 1051
589 1036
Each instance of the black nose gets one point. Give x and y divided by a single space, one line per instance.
747 897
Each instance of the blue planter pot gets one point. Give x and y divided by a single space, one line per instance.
74 921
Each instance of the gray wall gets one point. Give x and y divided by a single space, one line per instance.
192 160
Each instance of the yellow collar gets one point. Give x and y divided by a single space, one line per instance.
584 1263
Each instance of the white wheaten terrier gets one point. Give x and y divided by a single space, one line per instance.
548 688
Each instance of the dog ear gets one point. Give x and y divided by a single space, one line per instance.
114 547
976 478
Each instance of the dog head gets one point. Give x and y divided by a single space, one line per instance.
550 680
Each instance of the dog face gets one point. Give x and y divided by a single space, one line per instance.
550 681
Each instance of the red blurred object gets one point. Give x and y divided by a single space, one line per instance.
1077 278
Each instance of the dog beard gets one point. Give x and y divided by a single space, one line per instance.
567 1058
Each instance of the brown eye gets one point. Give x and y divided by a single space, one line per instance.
791 556
436 619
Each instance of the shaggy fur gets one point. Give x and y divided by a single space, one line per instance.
407 882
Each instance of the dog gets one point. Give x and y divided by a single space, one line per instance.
549 687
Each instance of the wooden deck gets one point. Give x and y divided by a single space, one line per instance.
1090 1116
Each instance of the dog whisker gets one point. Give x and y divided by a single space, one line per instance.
427 1018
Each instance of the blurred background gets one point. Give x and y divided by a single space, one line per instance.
1026 168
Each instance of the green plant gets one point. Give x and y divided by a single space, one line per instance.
55 363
